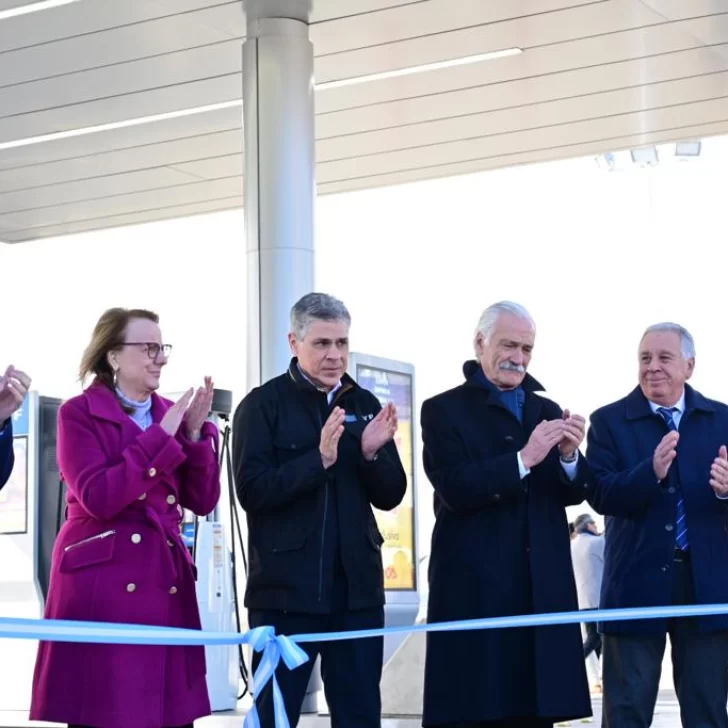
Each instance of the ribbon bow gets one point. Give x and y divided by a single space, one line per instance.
274 647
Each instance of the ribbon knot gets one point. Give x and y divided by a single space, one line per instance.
274 648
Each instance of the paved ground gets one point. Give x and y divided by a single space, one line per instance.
666 716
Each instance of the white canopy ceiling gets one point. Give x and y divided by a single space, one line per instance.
593 76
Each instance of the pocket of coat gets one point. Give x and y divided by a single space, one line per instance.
375 537
287 450
294 544
90 551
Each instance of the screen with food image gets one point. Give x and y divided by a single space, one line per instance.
396 526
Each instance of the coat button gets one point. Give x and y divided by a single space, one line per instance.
664 567
136 538
131 587
173 590
496 497
143 496
170 543
671 490
171 500
151 472
669 526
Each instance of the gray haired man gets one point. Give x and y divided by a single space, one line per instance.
313 453
660 475
503 462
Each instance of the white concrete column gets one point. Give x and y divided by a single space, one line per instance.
280 186
279 175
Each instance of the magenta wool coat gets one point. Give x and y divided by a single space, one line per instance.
120 558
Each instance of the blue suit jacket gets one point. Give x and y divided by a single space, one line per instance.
7 455
640 511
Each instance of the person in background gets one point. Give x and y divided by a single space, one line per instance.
660 476
14 386
131 460
503 462
587 556
313 453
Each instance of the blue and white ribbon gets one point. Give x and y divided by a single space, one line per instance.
264 639
275 648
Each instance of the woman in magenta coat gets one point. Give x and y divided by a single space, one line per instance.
132 461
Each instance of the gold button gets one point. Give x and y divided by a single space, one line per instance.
173 590
136 538
131 587
171 500
142 496
152 472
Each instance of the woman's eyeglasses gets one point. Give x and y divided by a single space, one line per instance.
151 348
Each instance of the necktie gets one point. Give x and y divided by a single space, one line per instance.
680 524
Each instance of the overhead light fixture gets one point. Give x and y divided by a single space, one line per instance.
606 161
55 136
465 61
646 156
688 149
33 8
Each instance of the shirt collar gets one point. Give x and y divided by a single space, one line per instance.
329 394
679 405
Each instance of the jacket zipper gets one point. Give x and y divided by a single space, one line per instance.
89 539
341 391
323 532
323 525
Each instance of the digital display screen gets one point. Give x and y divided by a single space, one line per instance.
14 496
397 526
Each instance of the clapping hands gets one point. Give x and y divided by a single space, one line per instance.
14 386
192 410
379 431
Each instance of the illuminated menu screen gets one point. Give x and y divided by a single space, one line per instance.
397 526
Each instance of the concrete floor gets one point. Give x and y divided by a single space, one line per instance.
666 716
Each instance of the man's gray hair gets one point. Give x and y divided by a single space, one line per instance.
687 343
489 317
316 307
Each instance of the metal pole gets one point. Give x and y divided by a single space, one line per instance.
279 187
279 181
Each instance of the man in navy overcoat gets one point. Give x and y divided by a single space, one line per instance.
660 476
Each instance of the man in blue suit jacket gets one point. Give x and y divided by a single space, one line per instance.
14 386
660 476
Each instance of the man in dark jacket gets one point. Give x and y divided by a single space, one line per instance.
504 463
660 476
313 452
14 386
